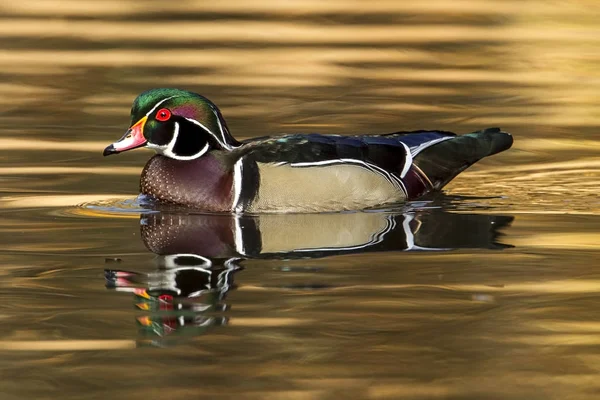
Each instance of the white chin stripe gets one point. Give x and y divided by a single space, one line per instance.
169 153
167 150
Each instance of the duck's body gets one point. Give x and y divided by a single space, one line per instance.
200 165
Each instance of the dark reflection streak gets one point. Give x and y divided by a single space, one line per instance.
198 255
364 18
25 43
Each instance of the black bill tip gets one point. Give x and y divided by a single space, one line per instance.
109 150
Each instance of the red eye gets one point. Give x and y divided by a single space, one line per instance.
163 115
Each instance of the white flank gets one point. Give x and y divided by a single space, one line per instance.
395 181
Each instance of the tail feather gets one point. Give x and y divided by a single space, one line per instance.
444 160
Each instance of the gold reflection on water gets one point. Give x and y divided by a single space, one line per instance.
67 345
556 339
413 390
70 170
519 323
564 286
112 7
582 241
536 61
289 33
23 144
561 165
270 322
325 59
66 200
565 326
558 144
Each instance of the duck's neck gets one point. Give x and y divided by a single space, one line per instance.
204 183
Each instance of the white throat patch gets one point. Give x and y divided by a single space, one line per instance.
167 149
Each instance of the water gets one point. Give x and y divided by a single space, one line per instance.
487 291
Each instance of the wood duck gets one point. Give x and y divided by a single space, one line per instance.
200 165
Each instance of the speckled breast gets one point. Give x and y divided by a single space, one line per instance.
202 183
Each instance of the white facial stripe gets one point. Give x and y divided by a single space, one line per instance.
237 184
219 122
219 140
167 150
156 147
158 104
220 126
171 144
169 153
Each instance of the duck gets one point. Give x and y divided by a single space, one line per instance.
198 163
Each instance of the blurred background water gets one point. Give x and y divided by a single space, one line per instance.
488 291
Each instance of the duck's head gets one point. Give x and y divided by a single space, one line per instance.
175 123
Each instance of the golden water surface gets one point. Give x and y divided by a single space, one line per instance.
490 291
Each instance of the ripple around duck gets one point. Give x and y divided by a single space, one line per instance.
127 208
120 208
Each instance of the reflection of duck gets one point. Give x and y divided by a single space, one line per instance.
199 163
317 235
177 295
199 254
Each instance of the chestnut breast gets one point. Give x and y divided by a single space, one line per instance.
204 183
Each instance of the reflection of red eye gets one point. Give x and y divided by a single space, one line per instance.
163 115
